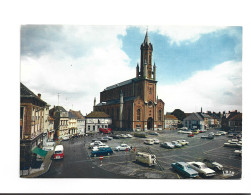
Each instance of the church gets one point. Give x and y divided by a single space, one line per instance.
133 104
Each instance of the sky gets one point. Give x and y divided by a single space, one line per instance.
197 66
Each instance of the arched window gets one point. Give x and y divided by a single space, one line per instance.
138 115
160 114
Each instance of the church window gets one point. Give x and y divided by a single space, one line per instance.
150 90
160 113
138 115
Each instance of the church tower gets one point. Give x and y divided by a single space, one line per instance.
146 71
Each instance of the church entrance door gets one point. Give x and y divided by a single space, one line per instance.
150 123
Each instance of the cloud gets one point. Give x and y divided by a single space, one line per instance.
217 89
60 66
181 34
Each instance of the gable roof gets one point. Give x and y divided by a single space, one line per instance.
237 117
77 114
171 117
97 114
27 93
194 116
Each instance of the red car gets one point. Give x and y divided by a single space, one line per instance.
190 135
105 130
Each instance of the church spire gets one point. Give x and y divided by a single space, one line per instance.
146 40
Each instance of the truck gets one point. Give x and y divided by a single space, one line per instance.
146 158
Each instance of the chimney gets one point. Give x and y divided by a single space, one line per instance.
39 95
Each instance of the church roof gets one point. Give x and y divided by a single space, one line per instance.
120 84
117 101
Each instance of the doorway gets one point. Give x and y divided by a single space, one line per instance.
150 123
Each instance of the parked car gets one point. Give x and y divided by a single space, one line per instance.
238 152
123 136
49 143
213 165
190 135
149 141
66 137
95 143
184 169
167 145
122 147
209 136
115 136
108 137
233 144
223 132
202 169
195 132
146 158
48 148
217 133
185 132
102 139
100 146
176 144
101 152
153 133
129 135
156 141
183 142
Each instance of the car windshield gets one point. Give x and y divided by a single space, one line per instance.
58 152
203 166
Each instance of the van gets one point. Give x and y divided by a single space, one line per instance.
146 158
58 152
149 141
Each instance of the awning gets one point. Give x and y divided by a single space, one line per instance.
39 151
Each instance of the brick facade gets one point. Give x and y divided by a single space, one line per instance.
132 104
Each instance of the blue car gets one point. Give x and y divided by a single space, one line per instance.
101 152
184 169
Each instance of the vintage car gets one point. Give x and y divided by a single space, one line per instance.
122 147
167 145
95 143
184 169
202 169
101 152
176 144
213 165
156 141
183 142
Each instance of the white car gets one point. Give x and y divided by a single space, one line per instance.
176 144
123 147
123 136
95 143
156 141
66 137
48 148
185 132
183 142
202 168
129 135
223 132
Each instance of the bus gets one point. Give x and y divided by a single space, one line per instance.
58 152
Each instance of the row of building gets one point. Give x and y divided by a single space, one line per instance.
231 121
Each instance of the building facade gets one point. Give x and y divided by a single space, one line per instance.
61 118
171 122
80 121
31 125
96 120
133 104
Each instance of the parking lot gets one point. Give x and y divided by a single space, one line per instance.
123 162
